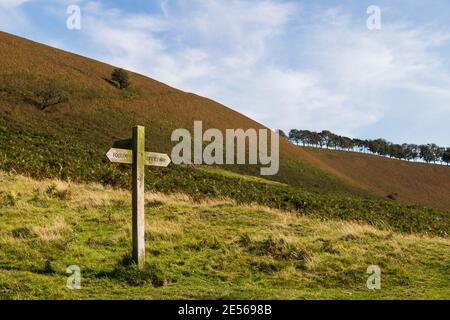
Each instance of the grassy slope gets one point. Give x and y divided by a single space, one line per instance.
98 114
413 182
69 141
207 249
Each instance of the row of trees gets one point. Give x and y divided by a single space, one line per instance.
411 152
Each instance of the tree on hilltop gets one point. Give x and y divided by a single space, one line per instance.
121 78
446 156
426 153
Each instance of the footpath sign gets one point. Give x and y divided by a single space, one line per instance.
126 156
138 158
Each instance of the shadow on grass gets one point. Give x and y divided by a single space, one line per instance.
127 271
111 82
46 269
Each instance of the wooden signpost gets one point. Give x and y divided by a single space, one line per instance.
138 158
126 156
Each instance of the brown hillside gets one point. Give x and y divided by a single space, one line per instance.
98 113
420 183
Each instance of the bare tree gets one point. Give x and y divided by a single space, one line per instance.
49 96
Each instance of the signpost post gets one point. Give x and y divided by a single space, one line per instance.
138 158
137 189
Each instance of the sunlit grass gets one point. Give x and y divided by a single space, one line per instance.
201 249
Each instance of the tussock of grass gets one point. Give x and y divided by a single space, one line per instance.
8 199
163 230
125 271
53 231
23 233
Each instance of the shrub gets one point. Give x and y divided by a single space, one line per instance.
50 96
120 77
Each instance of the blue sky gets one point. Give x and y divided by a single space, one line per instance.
287 64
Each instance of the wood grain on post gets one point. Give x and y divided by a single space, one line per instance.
138 195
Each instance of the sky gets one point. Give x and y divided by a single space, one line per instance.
313 65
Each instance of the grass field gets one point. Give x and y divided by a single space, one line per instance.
200 249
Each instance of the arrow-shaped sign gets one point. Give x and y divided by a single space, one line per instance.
157 159
120 155
126 156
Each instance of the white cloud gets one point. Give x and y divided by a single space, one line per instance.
12 18
367 66
12 3
264 60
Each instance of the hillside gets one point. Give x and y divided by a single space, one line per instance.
97 113
426 184
215 249
69 142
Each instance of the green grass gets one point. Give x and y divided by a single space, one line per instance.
234 175
45 157
215 249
